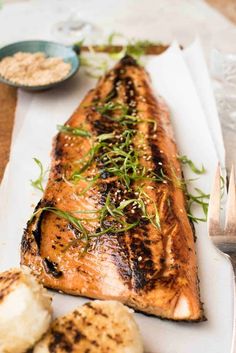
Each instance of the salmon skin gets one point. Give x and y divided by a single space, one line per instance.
112 223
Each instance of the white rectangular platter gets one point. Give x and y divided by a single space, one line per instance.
172 78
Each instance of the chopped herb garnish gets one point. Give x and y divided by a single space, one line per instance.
185 160
122 116
83 235
112 37
73 130
38 183
136 49
201 199
107 108
96 65
115 157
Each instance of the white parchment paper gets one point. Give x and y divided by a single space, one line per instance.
173 78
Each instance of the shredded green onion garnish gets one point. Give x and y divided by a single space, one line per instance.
185 160
95 66
112 36
84 235
137 48
115 157
201 199
73 130
38 183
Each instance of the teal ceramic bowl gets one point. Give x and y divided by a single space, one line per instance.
51 49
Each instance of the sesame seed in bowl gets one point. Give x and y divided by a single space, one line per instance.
37 65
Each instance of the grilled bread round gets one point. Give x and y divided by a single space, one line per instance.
96 327
25 310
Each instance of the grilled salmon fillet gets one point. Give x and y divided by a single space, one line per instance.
112 223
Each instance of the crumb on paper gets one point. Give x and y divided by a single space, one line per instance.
33 69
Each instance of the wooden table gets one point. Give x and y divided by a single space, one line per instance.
7 111
8 95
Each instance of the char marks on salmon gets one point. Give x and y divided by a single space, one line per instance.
112 222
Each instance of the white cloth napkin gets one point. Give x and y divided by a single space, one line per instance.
173 76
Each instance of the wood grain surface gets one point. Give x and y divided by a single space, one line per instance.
226 7
7 113
8 94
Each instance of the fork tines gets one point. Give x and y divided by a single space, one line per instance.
214 226
230 217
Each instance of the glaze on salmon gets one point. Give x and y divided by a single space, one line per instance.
119 175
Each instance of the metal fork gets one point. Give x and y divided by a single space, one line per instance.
224 238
